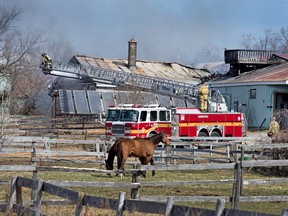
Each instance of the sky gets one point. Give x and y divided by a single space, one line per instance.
165 30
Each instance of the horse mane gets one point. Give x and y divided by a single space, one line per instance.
156 139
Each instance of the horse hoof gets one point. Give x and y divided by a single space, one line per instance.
121 175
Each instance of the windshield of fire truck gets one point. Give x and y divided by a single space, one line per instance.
129 115
113 115
122 115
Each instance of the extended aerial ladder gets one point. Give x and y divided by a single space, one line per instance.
120 78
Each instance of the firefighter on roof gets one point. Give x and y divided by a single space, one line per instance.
203 97
273 128
46 61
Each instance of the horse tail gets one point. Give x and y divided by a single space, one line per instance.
111 155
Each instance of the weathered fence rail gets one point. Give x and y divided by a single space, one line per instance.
223 151
80 199
237 182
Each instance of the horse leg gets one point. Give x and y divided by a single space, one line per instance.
152 162
144 161
121 161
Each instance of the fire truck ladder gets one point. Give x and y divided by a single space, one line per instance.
121 78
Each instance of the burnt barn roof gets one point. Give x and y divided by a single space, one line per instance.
165 70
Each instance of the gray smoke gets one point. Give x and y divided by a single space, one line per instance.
165 30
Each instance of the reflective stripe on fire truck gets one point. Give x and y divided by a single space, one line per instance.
212 123
142 130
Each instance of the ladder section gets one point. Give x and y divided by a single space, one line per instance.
121 78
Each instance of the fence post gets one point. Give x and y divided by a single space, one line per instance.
79 203
235 149
168 151
34 175
104 150
210 153
121 201
220 205
38 203
84 146
58 135
135 179
236 186
242 170
169 206
15 191
228 152
284 212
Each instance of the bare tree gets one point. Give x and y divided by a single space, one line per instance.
276 41
283 36
20 57
7 19
264 41
247 41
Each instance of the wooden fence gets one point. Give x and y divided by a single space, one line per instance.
80 199
220 149
234 152
135 185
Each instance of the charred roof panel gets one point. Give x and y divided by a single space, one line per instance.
165 70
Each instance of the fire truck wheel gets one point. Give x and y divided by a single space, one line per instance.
202 134
215 134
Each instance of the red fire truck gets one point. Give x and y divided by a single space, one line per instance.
143 121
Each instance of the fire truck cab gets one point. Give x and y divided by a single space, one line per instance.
131 120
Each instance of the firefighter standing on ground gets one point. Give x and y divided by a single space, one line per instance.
46 61
273 128
203 97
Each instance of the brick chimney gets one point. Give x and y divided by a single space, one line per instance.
132 50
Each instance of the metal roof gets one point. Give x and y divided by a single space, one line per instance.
88 102
273 75
166 70
79 102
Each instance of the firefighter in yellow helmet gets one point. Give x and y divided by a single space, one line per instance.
203 97
273 128
46 61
